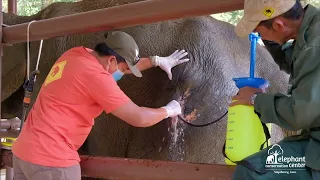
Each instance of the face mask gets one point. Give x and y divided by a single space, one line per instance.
117 75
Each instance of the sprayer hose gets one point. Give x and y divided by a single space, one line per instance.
203 125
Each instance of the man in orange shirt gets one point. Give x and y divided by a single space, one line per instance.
80 85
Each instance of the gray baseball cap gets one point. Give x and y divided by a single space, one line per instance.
126 47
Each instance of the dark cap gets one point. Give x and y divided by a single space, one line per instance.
125 46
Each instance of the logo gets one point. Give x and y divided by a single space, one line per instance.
55 72
137 57
279 162
268 12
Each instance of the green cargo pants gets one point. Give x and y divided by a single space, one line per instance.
275 165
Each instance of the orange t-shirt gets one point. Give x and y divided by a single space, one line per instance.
76 90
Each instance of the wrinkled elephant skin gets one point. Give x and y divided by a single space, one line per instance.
204 85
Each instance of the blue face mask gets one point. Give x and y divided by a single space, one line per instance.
117 75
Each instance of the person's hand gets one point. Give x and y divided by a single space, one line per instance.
167 63
173 108
244 96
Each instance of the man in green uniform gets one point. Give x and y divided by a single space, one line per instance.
277 22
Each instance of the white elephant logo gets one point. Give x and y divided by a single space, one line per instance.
273 154
270 159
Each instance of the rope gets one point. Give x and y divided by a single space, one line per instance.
28 85
28 52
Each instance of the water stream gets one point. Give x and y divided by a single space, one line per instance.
176 140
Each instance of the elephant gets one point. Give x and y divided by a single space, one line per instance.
203 86
270 159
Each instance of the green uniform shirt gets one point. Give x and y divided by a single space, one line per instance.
301 108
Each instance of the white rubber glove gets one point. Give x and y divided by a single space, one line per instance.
173 108
167 63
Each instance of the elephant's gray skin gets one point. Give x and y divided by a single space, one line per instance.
216 56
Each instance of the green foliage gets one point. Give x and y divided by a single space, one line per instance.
4 5
30 7
231 17
314 2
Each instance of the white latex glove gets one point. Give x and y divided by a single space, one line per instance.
173 108
167 63
15 123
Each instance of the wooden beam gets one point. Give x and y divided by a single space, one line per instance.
132 14
12 6
141 169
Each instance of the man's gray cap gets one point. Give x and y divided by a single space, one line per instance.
125 46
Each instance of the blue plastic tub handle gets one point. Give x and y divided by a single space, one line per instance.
254 39
251 81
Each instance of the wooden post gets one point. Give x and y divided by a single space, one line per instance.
1 54
12 6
